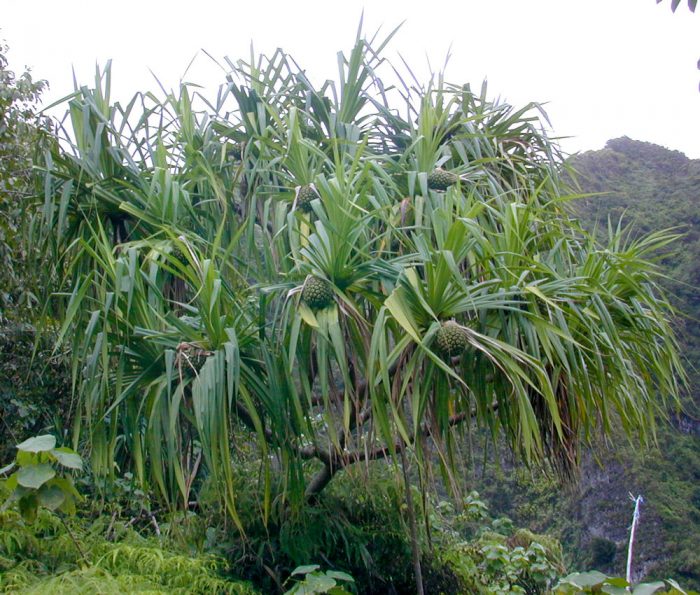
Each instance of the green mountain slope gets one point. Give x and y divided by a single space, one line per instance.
651 188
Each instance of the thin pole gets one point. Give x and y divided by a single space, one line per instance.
635 521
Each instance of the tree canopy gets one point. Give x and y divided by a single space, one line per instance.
336 274
22 135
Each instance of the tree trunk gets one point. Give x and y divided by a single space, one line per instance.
320 481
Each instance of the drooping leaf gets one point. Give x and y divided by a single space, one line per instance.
305 569
341 576
611 589
584 579
648 588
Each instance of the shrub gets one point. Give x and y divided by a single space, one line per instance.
35 387
39 558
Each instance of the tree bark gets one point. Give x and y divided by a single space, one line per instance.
320 481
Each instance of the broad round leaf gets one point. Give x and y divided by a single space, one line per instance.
68 506
617 582
613 590
68 458
584 579
38 444
35 476
341 576
51 496
67 487
648 588
318 583
305 569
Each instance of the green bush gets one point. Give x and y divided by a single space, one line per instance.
41 477
360 526
39 558
498 559
35 387
602 552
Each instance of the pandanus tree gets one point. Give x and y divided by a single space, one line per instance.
337 274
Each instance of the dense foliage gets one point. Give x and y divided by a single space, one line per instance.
650 188
23 134
42 558
470 552
35 391
270 298
186 267
653 188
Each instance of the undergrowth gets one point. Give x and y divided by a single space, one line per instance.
42 558
359 527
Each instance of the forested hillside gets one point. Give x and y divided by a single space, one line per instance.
649 188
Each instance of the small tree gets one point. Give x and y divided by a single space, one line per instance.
40 480
22 135
351 272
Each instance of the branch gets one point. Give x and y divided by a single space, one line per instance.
311 452
332 462
319 482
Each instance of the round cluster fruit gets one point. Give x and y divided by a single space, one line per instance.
440 179
317 293
451 339
306 194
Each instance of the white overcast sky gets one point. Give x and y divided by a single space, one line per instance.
605 68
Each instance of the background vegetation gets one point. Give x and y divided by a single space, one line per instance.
648 187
